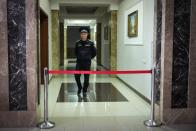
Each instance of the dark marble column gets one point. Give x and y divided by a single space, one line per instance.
17 55
182 9
158 35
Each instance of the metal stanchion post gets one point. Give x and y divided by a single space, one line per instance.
152 122
46 124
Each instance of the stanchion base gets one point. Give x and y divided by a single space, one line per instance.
46 125
153 123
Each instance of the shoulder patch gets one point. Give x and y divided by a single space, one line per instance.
91 42
77 41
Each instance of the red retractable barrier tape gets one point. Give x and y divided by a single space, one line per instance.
47 124
99 72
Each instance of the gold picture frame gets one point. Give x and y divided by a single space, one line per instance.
133 24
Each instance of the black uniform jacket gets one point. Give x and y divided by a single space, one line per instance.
85 50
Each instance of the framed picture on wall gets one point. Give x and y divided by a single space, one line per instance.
106 33
133 24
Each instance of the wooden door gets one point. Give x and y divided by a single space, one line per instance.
43 43
98 37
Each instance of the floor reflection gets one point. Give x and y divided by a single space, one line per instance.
98 92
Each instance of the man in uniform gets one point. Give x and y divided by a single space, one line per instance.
85 51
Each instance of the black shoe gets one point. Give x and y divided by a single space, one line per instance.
79 98
79 91
86 99
85 95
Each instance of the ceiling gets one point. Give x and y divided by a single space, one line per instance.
85 9
73 22
81 9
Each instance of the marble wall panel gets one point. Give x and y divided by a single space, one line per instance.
113 40
17 55
181 40
55 40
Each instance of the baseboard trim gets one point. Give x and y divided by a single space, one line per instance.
105 68
50 79
134 90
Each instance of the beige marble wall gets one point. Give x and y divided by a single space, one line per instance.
113 40
65 43
192 66
170 115
55 40
4 101
157 106
31 39
21 118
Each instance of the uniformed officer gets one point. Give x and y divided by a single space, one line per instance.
85 51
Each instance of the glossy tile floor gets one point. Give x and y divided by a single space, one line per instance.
97 92
97 116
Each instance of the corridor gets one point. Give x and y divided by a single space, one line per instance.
135 60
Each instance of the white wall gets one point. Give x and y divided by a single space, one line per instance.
136 56
95 31
45 6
